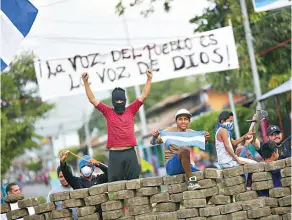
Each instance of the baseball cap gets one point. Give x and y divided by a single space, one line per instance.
183 112
272 128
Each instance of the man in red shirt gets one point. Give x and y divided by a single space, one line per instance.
123 161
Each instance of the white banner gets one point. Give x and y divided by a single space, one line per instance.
211 51
266 5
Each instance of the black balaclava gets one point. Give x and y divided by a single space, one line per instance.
119 94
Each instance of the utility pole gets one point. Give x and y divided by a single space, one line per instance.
87 135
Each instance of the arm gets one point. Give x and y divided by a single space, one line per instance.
147 86
88 91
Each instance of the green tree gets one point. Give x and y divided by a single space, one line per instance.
34 166
21 107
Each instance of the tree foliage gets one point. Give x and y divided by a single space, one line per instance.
34 166
20 108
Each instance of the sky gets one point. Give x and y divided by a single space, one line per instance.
65 28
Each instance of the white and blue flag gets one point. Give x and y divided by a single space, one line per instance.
17 17
188 138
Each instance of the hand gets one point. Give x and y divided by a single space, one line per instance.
63 155
207 136
149 74
155 133
254 117
241 162
85 77
94 162
248 134
248 140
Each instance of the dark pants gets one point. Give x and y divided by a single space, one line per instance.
123 165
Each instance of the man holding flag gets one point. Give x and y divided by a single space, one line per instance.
178 140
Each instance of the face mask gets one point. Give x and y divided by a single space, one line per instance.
228 125
86 171
119 94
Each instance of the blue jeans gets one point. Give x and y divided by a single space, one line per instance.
174 166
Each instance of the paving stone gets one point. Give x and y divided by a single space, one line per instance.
28 202
279 192
167 207
288 161
160 197
271 202
207 183
261 176
123 194
166 216
79 193
242 215
209 211
194 203
152 181
134 184
187 213
280 210
229 208
94 216
286 172
45 207
72 203
13 198
177 188
34 217
148 191
139 209
254 204
285 201
147 216
254 168
231 172
116 214
199 175
233 190
111 205
167 180
257 213
61 196
178 197
275 165
271 217
85 211
287 216
234 180
138 201
211 191
213 173
61 213
197 218
220 199
116 186
196 194
262 185
96 200
18 213
220 217
286 181
5 208
246 196
98 189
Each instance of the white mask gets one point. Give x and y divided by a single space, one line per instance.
228 125
86 171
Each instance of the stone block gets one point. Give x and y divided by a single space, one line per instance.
177 188
257 213
286 172
129 218
45 207
147 216
280 210
211 191
187 213
197 218
34 217
148 191
167 207
98 189
111 205
79 193
207 183
134 184
61 213
85 211
94 216
285 201
123 194
279 192
199 175
254 167
254 204
210 211
233 190
262 185
286 181
138 201
275 165
116 186
288 161
160 197
219 217
261 176
241 215
96 200
61 196
287 216
13 198
246 196
197 194
18 213
28 202
231 172
194 203
168 180
152 181
139 209
271 217
234 180
116 214
229 208
72 203
213 173
271 202
166 216
5 208
220 200
178 197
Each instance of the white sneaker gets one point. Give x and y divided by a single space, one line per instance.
192 184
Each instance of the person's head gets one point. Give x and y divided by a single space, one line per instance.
226 119
85 168
274 134
61 177
12 188
119 100
270 151
183 118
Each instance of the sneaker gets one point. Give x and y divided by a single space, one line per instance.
192 184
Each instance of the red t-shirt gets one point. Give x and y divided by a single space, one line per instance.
120 127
